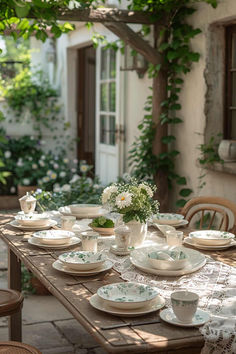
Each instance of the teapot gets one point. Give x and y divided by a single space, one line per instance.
27 203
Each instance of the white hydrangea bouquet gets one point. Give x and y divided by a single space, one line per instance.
134 200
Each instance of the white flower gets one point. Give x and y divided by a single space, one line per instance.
31 138
123 200
49 172
30 158
65 188
12 189
41 163
65 160
147 189
73 170
43 157
42 142
62 174
55 165
40 181
75 161
84 168
34 166
7 154
46 179
107 193
26 181
74 178
96 186
53 175
38 191
126 176
20 162
89 180
56 187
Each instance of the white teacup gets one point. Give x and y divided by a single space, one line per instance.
184 305
89 241
67 222
174 238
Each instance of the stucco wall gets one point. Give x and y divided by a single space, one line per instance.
191 133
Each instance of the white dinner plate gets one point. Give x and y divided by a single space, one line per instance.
51 223
179 224
199 318
98 304
73 241
63 268
66 211
191 242
139 258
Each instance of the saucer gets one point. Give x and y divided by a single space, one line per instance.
73 241
199 318
51 223
156 305
118 251
58 265
189 241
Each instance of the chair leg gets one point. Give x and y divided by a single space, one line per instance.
14 327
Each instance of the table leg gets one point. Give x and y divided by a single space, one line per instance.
14 282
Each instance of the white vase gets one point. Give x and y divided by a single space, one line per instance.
138 232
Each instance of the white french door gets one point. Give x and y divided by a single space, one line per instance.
107 115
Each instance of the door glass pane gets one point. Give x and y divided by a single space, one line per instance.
112 132
104 98
104 64
102 129
112 97
112 70
233 51
233 89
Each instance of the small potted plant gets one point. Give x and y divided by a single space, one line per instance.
134 201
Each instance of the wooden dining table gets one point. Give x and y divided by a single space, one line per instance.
158 337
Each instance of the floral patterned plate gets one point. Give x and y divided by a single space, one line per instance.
73 241
127 295
155 305
211 237
82 260
199 318
54 237
167 218
58 265
15 223
189 241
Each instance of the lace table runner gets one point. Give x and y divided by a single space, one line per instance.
215 284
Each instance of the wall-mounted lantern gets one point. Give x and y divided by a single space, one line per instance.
134 62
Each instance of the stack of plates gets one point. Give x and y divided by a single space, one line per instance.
140 259
127 299
30 222
210 239
54 239
82 263
82 211
175 220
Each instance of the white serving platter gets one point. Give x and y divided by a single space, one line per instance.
15 224
139 258
58 265
73 241
156 305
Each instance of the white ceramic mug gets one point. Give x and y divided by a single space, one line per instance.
174 238
67 222
89 241
184 305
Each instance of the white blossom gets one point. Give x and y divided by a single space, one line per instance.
65 188
7 154
124 200
46 179
84 168
41 163
34 166
13 189
26 181
53 175
65 160
147 189
20 162
73 170
74 178
55 165
75 161
62 174
107 193
56 187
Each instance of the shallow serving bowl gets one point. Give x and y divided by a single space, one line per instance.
54 237
127 295
168 259
167 218
85 208
82 260
33 219
105 231
212 237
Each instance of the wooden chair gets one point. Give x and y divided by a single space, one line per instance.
216 207
17 348
11 302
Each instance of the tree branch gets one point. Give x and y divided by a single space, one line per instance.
135 41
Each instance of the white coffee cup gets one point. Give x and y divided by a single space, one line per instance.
174 238
184 305
67 222
89 241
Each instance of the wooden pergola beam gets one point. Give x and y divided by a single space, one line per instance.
125 33
106 14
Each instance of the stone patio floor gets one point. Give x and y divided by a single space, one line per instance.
47 325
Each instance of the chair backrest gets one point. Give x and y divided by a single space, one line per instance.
213 207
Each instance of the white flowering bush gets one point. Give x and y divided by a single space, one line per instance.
133 199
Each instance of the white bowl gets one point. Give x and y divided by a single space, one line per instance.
167 218
54 237
82 260
32 219
168 259
104 231
85 208
212 237
127 295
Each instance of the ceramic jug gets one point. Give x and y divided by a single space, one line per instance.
27 203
